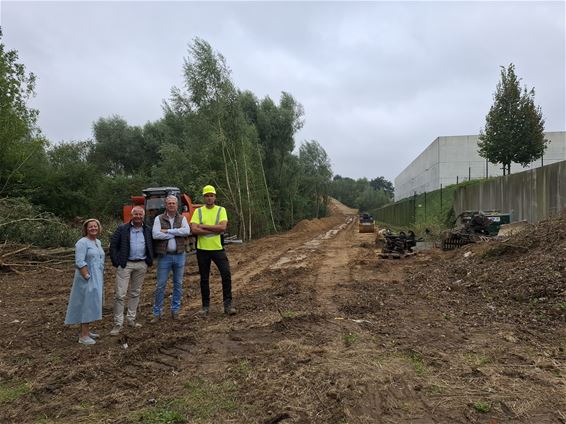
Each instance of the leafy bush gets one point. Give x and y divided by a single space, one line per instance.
22 222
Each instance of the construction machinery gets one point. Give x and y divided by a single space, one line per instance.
153 202
366 223
472 227
398 246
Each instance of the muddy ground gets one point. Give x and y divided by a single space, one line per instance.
325 333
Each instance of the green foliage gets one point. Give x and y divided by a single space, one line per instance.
21 147
69 187
514 128
10 391
210 133
123 149
380 183
22 222
367 196
315 171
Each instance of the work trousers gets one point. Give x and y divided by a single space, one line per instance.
171 262
204 258
132 275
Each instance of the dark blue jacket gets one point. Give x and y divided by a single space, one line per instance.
120 245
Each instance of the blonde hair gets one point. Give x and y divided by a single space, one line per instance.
85 224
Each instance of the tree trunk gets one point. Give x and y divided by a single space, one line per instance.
244 151
266 189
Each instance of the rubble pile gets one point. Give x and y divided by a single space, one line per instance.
522 277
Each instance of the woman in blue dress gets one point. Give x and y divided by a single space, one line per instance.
85 301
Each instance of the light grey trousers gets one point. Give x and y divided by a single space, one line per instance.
133 276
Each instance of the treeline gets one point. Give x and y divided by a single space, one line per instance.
363 194
211 132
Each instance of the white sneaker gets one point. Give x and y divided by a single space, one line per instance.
93 335
86 340
116 330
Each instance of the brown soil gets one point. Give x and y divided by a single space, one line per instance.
325 333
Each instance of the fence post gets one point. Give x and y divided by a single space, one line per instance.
415 208
425 206
441 199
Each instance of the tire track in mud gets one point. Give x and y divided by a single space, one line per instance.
242 336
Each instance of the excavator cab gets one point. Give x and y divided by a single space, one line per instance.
153 202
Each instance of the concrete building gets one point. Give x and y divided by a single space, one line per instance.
454 159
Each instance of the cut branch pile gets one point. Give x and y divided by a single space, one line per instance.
21 259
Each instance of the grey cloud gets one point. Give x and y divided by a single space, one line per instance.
378 80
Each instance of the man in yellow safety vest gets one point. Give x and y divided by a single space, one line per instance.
208 223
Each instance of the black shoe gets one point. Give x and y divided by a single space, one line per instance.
175 315
229 310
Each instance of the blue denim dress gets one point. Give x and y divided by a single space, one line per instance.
85 301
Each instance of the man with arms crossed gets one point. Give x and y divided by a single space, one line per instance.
208 223
170 231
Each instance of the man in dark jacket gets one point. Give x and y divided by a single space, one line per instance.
131 252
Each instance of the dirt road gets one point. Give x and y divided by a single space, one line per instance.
326 333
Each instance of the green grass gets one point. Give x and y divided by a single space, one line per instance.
288 314
205 399
562 306
482 406
435 389
477 359
202 400
416 360
243 368
350 339
12 391
170 413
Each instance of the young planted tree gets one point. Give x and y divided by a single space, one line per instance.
514 128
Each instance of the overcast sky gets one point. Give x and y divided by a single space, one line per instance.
379 81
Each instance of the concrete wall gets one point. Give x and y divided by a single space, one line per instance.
448 160
530 195
421 175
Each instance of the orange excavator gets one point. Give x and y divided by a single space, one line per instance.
153 202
